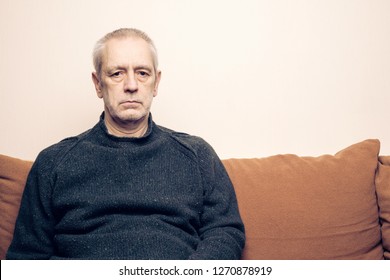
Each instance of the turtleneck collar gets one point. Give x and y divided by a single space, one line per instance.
146 135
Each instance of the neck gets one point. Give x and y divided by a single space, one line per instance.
133 129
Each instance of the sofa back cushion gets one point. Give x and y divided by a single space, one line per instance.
310 207
13 175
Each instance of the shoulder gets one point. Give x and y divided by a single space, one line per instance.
193 144
51 156
210 166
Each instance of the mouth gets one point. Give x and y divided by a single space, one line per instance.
130 103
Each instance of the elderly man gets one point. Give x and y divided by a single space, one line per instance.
128 188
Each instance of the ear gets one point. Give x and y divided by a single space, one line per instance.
97 84
156 83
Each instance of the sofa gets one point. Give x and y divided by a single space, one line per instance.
293 207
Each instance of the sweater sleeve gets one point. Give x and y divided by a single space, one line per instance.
33 235
222 231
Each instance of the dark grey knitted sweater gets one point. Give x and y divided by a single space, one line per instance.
95 196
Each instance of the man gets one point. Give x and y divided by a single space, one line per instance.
128 188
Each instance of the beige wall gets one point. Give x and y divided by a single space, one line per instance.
254 78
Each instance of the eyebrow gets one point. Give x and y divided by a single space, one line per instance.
113 68
143 66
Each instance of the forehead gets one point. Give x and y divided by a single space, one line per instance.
127 51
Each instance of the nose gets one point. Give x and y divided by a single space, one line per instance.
131 84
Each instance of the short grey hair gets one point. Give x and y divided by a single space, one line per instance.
121 33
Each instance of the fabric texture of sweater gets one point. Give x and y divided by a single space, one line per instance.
165 195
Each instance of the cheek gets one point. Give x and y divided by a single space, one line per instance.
152 88
109 100
111 93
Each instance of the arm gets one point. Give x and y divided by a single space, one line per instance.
35 224
222 231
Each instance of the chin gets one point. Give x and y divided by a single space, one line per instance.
131 116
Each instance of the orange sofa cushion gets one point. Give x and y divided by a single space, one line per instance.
311 207
13 175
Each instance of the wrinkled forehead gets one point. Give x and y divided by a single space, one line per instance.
129 51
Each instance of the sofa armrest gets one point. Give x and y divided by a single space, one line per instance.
382 183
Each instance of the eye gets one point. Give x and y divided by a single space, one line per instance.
143 73
116 74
